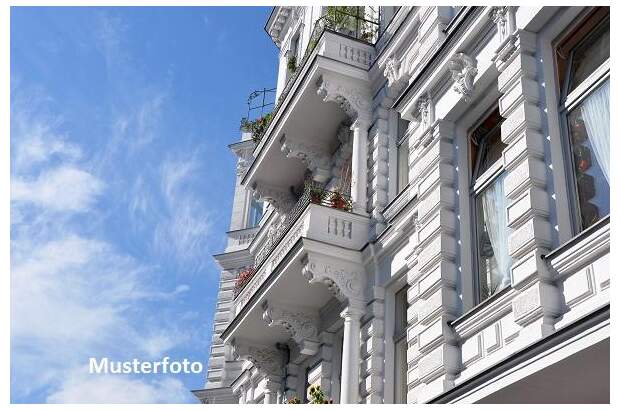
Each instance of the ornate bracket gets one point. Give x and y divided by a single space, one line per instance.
344 283
282 200
464 71
393 73
355 101
243 151
266 359
301 324
315 158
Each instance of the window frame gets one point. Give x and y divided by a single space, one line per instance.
477 185
398 337
401 139
568 101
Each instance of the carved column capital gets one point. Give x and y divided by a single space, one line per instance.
301 324
267 359
354 100
344 283
316 159
281 199
464 70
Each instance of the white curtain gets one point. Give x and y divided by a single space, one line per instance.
595 113
494 206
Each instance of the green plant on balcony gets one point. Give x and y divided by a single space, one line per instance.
256 127
293 400
315 192
291 63
317 396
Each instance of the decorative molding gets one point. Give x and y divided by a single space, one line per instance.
316 159
354 101
464 71
278 23
393 73
425 111
282 200
300 323
343 283
268 360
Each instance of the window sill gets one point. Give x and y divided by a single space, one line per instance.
487 312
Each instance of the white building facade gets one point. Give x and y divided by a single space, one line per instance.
436 223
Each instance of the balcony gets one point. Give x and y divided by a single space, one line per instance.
318 214
339 53
321 221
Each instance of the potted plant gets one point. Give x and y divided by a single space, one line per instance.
293 400
339 201
315 192
317 396
243 277
291 63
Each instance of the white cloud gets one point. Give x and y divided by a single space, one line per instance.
64 188
119 389
185 230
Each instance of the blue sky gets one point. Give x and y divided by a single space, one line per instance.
121 188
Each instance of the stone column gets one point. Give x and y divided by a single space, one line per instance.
525 186
349 382
359 166
271 391
347 281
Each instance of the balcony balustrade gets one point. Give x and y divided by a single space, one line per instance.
319 214
344 27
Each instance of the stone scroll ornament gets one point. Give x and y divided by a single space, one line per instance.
464 71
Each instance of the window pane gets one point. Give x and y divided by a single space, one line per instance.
403 166
492 235
588 126
400 311
488 145
589 55
256 213
400 371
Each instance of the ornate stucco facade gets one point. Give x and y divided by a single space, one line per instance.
427 235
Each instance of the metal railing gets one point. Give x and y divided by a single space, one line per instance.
312 194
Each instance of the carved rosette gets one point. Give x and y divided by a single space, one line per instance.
344 284
266 359
464 70
301 324
354 101
281 199
316 159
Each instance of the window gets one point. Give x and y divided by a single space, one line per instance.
489 206
583 71
400 346
256 213
402 148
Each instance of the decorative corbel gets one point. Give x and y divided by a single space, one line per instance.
464 70
280 199
316 159
344 283
301 324
267 359
353 100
